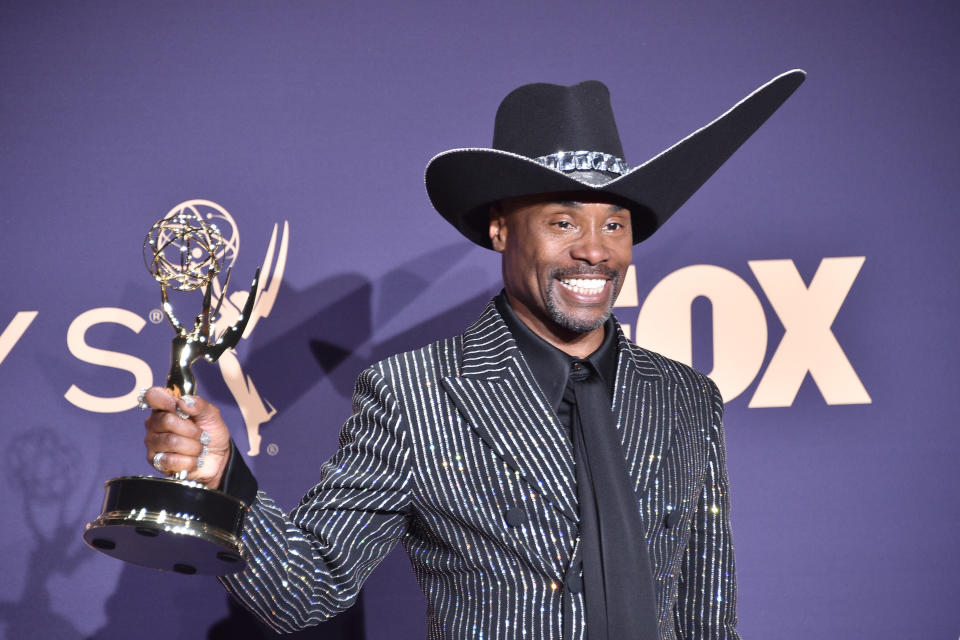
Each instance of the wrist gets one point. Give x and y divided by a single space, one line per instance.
217 481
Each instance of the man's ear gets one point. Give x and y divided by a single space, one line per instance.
498 227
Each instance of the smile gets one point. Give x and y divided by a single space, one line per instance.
584 286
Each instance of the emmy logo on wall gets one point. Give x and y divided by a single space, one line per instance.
172 523
254 409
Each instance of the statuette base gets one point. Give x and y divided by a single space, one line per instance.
169 524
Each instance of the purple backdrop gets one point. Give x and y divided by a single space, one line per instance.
323 115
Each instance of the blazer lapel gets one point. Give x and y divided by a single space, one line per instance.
642 402
497 395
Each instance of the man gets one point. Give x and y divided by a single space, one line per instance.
548 477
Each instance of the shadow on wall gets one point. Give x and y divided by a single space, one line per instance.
301 344
327 332
134 596
42 465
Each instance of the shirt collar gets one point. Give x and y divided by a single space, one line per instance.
550 365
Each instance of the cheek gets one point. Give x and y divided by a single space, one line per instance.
624 256
518 271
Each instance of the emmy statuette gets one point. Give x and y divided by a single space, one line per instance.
172 523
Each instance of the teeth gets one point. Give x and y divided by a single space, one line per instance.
584 285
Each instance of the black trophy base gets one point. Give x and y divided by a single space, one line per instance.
167 524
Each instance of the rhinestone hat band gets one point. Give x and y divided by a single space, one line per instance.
584 161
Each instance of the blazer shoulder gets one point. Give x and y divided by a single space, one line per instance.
446 357
429 362
674 371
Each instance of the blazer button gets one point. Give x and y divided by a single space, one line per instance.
672 519
516 516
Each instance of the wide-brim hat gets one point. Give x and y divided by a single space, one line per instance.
554 139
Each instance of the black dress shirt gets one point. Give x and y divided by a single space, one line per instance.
551 367
612 554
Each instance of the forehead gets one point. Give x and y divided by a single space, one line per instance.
609 207
575 201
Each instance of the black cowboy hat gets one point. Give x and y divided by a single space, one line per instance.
553 139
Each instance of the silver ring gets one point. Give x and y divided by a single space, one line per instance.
202 457
157 457
205 439
141 403
183 415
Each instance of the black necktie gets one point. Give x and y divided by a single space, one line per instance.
618 582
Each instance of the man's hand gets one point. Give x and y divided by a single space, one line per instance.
178 428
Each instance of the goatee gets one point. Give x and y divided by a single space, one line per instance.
568 321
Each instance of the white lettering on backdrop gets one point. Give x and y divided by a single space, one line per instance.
740 328
77 344
663 324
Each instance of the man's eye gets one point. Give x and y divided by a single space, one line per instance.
563 224
614 226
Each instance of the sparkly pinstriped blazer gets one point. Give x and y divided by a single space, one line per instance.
444 442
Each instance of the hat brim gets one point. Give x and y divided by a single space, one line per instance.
462 183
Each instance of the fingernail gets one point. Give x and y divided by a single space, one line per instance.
189 400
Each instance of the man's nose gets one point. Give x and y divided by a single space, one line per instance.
590 247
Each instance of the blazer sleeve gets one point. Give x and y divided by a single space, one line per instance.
307 566
707 596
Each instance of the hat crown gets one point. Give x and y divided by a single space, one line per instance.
541 119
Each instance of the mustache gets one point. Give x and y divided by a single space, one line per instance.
584 270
